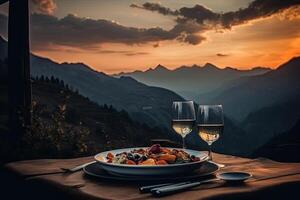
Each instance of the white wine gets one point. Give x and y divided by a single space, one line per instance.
183 127
210 132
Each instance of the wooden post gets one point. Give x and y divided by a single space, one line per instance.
19 84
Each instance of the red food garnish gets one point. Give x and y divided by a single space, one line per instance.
161 162
130 162
110 156
155 149
195 159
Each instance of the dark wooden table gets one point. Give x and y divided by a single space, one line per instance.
43 179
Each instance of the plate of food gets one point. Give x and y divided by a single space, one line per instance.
151 161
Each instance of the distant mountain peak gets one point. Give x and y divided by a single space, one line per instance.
210 66
293 64
161 68
148 70
230 68
195 66
257 69
79 64
260 68
295 59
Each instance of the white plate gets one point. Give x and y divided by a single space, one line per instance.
147 170
204 171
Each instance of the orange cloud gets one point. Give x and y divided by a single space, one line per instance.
44 6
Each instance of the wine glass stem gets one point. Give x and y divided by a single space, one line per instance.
209 152
183 143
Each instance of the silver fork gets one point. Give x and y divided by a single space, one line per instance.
77 168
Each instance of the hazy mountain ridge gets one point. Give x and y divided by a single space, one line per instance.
191 81
107 125
267 123
250 94
282 147
149 105
122 93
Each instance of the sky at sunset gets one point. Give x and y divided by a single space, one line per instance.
126 35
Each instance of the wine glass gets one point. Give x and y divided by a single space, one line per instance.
210 124
183 118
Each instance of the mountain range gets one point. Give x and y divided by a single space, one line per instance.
150 105
241 92
250 94
191 81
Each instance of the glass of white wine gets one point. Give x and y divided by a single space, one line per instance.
210 124
184 118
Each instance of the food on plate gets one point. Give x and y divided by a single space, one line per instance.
154 155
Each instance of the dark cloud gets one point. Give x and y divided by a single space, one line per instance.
199 13
206 19
222 55
156 7
44 6
86 33
49 31
256 9
80 32
203 15
186 28
189 31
